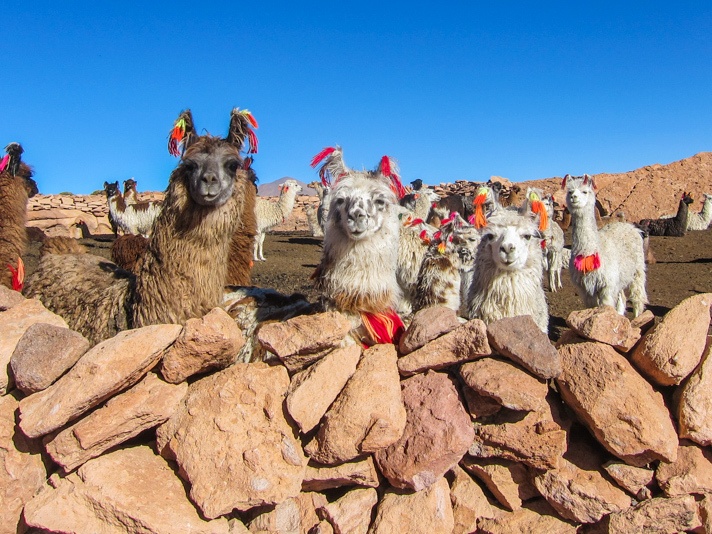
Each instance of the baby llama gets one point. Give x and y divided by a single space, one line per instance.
270 214
357 272
16 186
605 263
508 270
182 272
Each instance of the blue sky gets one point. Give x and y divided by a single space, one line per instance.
451 90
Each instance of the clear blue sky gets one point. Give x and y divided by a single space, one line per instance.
451 90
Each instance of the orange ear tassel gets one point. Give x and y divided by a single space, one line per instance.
480 221
538 207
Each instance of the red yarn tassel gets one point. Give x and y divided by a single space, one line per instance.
322 156
383 327
252 140
479 220
4 161
18 275
538 207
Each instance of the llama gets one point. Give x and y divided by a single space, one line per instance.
508 270
413 241
553 246
605 263
130 194
357 272
701 220
439 276
673 227
322 211
16 186
135 218
183 270
270 214
61 245
127 250
313 221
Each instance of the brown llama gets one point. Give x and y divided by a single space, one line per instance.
183 271
16 186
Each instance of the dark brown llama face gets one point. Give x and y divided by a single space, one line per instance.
111 190
211 173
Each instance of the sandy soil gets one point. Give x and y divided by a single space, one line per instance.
683 269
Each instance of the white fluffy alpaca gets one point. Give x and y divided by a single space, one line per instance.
604 263
270 214
508 271
322 211
357 273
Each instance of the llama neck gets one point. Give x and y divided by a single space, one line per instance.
117 204
682 208
286 202
706 212
584 237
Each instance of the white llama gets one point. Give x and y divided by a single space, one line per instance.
553 246
270 214
604 263
357 272
322 210
508 270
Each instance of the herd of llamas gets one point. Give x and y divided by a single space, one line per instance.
388 251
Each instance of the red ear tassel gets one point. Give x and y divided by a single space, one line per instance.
18 275
479 220
252 140
321 156
396 185
4 161
176 138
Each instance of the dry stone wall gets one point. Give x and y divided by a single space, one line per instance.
463 427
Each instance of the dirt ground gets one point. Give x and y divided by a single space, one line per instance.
683 269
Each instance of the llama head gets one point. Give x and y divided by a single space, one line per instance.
580 192
534 204
13 165
290 187
112 189
210 165
129 185
511 240
687 198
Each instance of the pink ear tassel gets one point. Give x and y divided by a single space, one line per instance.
4 161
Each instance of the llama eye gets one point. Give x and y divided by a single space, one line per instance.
190 165
380 203
527 236
232 165
339 201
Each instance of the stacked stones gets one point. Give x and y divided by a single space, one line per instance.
460 428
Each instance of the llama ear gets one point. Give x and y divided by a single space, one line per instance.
388 168
12 158
242 123
182 134
563 182
332 164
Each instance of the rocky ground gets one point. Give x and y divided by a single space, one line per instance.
683 269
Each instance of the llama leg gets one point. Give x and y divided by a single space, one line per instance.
620 304
261 247
255 246
638 294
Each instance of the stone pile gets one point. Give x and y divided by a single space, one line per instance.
461 427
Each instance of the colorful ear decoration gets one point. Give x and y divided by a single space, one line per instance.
586 264
180 135
332 165
539 208
479 220
383 327
563 182
388 169
18 275
4 161
242 123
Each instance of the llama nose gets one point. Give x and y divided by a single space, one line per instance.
209 178
507 248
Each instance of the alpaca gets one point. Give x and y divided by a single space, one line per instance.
135 218
421 202
701 220
604 263
467 240
183 270
61 245
127 250
674 227
508 270
413 241
357 272
270 214
16 186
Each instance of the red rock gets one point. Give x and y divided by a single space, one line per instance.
423 512
694 408
635 480
146 405
352 512
465 343
43 354
128 490
509 482
437 434
494 378
9 298
427 325
659 515
469 503
479 405
207 343
296 514
356 473
521 340
312 391
533 518
606 325
231 428
691 472
109 367
22 471
304 334
367 416
618 406
671 350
